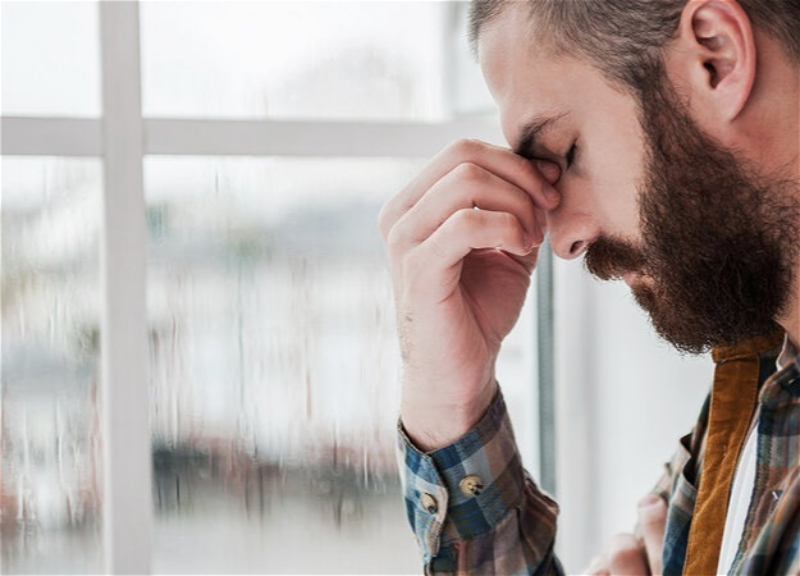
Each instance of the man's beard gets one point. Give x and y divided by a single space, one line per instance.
719 241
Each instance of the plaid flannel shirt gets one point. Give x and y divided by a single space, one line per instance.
508 526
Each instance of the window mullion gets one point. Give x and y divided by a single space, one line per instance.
127 460
51 136
194 137
309 138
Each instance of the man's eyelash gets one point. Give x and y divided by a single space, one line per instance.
569 157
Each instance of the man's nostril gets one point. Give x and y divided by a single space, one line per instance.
576 248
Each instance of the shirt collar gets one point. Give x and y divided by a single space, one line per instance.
783 387
787 355
754 346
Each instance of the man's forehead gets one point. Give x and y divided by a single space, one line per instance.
503 46
538 92
532 89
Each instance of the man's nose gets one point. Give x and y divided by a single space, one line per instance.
571 236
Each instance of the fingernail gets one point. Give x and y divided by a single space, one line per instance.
549 170
552 194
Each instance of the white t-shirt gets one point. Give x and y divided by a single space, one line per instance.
741 493
744 480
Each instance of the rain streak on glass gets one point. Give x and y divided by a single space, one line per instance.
274 366
50 481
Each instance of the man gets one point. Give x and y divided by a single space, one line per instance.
659 138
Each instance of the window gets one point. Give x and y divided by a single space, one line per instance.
50 444
245 228
199 366
294 60
50 69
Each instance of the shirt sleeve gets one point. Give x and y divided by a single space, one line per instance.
473 507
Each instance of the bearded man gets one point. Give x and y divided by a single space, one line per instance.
659 138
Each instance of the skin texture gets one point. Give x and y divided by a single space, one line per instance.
718 240
457 296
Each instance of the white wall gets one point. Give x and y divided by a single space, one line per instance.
624 398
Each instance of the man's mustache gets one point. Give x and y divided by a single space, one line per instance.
609 258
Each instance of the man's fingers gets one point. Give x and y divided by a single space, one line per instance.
500 161
468 230
626 556
464 231
629 555
652 522
467 186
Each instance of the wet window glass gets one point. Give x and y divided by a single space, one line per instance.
300 60
275 366
50 68
50 491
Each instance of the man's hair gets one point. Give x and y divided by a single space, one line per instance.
625 38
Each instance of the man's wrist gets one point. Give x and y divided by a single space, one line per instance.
432 427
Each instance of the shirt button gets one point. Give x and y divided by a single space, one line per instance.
471 485
429 503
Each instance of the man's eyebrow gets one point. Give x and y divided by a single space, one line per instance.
533 130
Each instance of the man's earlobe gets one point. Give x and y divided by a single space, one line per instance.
722 54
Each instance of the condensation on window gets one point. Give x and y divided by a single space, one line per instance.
275 366
302 60
50 59
50 493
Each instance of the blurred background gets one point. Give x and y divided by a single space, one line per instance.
270 135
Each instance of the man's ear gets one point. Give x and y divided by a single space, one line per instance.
719 55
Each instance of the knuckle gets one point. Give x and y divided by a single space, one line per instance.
465 218
469 172
464 147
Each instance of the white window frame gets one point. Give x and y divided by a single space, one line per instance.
122 138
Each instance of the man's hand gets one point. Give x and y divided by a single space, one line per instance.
630 555
460 278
